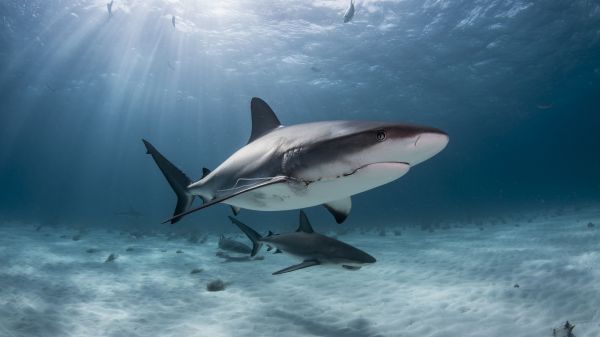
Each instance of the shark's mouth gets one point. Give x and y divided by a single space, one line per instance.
389 164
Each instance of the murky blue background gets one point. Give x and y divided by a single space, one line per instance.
514 83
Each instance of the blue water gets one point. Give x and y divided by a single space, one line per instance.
514 84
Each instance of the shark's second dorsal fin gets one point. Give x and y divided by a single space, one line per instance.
304 224
263 118
205 172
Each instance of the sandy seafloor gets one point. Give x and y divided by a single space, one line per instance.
457 281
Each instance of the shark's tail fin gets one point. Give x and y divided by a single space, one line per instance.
250 233
177 179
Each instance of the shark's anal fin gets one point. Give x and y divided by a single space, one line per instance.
305 264
339 208
263 118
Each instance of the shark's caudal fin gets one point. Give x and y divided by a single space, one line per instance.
177 179
250 233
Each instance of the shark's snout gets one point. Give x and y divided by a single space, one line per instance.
369 259
428 144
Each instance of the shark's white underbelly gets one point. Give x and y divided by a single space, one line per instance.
297 194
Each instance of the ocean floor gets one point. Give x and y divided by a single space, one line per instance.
516 278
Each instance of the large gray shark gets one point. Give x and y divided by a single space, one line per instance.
311 248
304 165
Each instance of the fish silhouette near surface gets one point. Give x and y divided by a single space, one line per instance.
109 8
349 12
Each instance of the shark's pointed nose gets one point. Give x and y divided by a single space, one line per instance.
429 143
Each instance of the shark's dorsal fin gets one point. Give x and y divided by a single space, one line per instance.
339 208
304 224
205 172
263 118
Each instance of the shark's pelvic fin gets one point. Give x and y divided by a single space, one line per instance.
276 180
250 233
339 208
236 210
304 225
263 118
177 179
305 264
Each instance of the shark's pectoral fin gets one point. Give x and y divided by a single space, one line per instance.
236 210
339 208
345 266
275 180
305 264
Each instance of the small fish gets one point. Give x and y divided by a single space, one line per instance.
111 258
349 12
109 8
173 21
51 88
131 212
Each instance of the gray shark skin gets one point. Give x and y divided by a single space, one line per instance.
310 247
233 246
304 165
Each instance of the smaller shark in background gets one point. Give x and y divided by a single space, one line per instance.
349 12
173 21
231 245
131 212
109 8
312 248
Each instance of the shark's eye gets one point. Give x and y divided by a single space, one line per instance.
380 136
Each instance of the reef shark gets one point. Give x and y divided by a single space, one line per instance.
304 165
307 245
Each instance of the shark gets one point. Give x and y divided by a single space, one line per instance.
311 248
303 165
